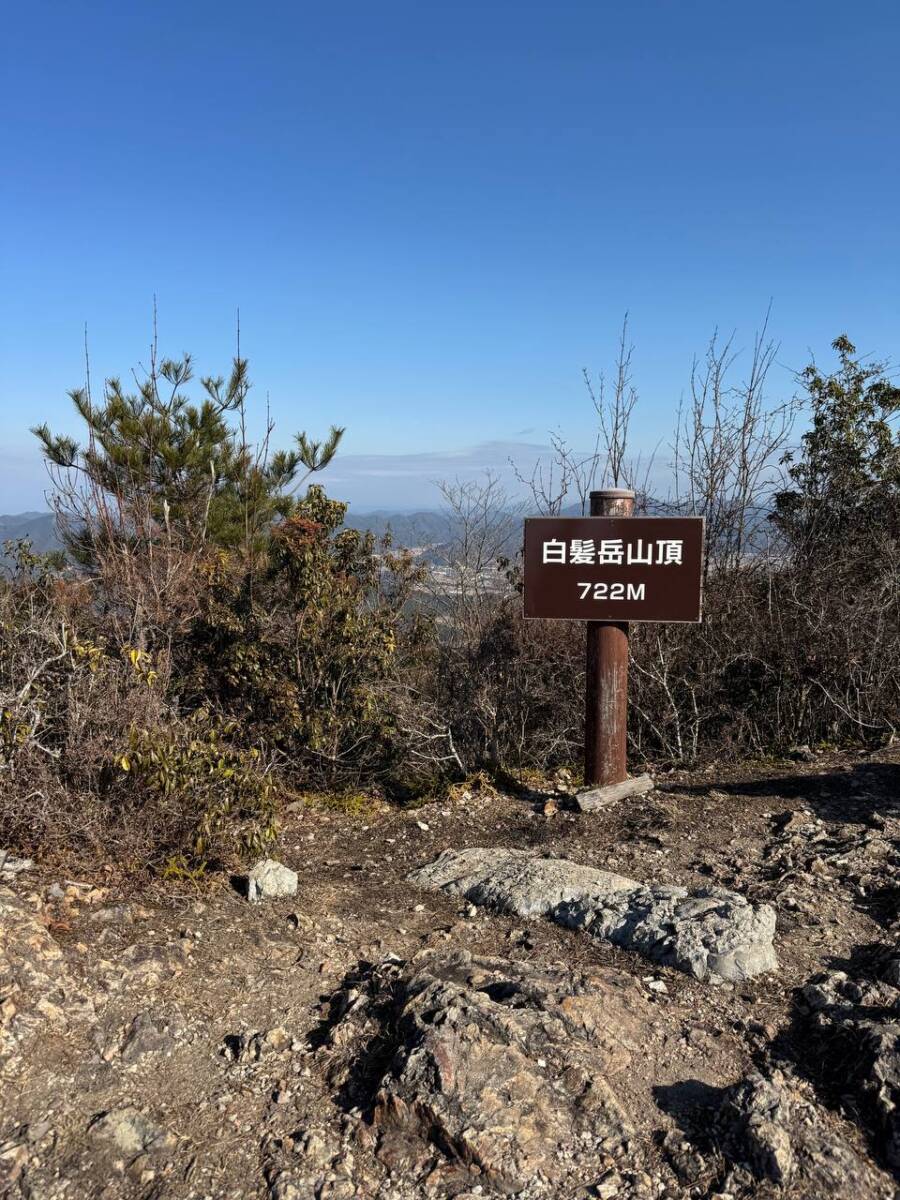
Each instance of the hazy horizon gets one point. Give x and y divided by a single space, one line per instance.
370 483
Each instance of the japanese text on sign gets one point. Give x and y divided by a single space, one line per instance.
614 552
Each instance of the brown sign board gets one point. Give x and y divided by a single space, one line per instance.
613 568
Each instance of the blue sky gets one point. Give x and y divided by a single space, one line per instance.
433 216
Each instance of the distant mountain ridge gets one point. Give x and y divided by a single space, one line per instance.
412 530
424 528
38 527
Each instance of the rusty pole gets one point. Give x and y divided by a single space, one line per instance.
606 693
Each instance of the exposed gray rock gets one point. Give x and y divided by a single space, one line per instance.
710 933
769 1131
131 1133
482 1069
269 879
758 1112
858 1020
10 866
150 1032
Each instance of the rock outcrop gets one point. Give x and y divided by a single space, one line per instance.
481 1069
857 1023
269 879
771 1133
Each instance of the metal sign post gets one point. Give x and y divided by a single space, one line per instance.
606 688
609 569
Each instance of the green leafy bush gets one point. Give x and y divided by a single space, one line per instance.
215 798
299 649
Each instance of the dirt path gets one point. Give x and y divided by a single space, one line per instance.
132 1065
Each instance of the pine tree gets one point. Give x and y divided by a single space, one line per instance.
844 505
156 466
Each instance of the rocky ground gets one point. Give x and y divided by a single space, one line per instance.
376 1036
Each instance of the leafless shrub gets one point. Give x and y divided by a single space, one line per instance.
567 477
726 450
487 688
794 647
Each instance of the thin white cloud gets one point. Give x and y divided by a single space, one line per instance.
411 480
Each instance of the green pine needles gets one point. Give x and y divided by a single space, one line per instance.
155 464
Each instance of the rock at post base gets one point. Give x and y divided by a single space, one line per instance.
591 799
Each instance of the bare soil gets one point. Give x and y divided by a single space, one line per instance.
168 986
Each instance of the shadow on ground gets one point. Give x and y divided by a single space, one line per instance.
864 793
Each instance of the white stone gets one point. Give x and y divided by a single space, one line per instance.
269 879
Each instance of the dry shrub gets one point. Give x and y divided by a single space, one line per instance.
781 659
512 694
94 757
209 655
302 651
800 641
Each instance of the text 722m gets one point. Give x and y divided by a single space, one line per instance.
612 591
